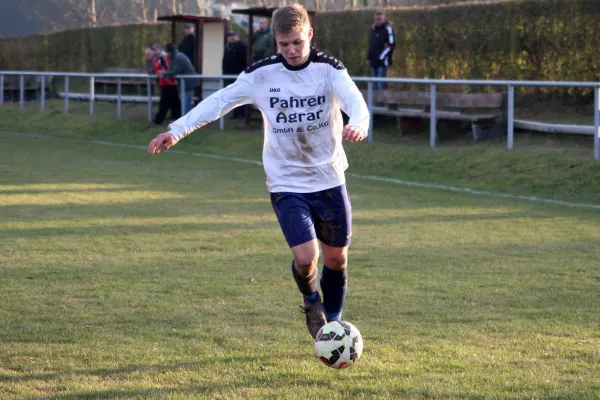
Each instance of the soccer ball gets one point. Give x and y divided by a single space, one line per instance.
338 344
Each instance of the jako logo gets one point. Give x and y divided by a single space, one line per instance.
275 90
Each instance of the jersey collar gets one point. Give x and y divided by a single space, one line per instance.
301 66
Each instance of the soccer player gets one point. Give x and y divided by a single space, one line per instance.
300 92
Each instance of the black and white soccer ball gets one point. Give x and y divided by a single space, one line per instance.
338 344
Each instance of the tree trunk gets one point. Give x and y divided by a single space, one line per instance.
93 13
144 10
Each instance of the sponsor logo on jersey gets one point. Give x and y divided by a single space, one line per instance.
283 130
321 125
284 104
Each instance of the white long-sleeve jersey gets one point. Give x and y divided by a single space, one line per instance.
302 150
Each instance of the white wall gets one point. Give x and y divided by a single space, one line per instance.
213 48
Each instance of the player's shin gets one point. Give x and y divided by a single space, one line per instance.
307 284
334 285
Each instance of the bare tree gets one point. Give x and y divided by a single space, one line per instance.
143 9
320 5
62 13
92 12
52 15
206 7
201 7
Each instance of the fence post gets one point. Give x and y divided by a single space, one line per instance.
92 95
433 117
510 134
1 89
370 107
149 94
222 120
43 93
596 123
67 94
183 107
22 91
119 97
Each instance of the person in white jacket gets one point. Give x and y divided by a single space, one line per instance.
300 92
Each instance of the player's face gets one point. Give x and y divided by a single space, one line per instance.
295 46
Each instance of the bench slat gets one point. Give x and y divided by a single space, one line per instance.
443 99
125 70
449 115
123 82
126 81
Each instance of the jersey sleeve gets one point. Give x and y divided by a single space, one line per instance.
390 42
351 100
214 107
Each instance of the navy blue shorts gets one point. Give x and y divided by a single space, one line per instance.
326 215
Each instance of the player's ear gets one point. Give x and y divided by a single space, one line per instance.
310 33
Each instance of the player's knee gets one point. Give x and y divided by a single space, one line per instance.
305 264
336 262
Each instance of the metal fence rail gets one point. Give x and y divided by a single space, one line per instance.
432 83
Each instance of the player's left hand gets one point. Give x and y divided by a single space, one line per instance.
353 134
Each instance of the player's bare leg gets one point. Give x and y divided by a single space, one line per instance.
304 269
334 280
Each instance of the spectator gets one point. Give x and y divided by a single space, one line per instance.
169 99
235 61
262 47
181 65
187 45
381 48
149 60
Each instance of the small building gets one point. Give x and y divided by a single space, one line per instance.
210 46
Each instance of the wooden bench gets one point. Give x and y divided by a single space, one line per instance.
483 113
138 83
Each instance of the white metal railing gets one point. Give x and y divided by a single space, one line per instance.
433 84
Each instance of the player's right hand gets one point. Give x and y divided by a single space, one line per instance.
161 143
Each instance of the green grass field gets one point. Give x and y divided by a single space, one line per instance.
125 276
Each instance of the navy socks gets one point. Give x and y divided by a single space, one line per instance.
334 285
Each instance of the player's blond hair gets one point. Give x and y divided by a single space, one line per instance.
293 18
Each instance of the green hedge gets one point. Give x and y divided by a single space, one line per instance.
83 50
525 40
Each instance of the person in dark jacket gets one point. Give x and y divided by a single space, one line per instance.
235 61
181 65
381 48
187 45
262 47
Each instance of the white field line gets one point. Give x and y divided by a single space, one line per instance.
474 191
393 181
374 178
